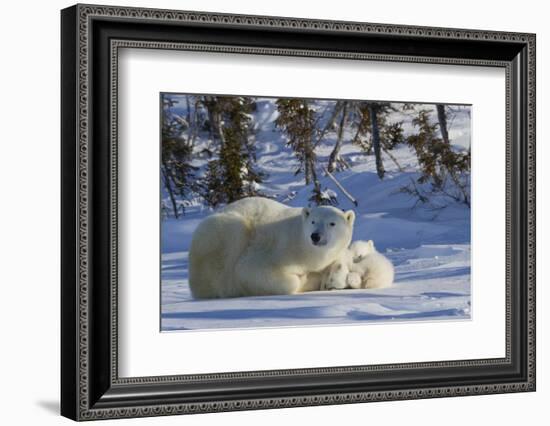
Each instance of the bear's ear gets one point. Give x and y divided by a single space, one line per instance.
305 212
371 244
350 216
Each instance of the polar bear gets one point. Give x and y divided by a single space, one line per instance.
359 249
361 266
257 246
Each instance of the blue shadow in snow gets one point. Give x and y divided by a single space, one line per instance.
431 274
240 314
170 267
362 316
442 294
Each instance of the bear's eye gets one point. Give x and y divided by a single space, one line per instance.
313 222
332 224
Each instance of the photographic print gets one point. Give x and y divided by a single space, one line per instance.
279 211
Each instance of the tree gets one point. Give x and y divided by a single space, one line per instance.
297 120
233 175
214 106
374 109
453 172
212 184
372 121
176 156
224 179
334 159
438 162
442 120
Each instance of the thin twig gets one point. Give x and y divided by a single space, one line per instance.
392 158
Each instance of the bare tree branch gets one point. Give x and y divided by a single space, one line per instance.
339 185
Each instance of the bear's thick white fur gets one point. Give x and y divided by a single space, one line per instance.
256 246
361 266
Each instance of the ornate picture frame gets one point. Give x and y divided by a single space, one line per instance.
91 37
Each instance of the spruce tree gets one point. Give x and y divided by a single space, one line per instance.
335 160
233 174
231 162
442 120
213 184
438 162
297 120
178 174
375 133
374 109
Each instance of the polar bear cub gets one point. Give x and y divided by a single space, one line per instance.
361 266
257 246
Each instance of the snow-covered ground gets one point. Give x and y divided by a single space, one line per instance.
429 248
432 282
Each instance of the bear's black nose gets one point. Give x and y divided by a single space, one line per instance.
315 237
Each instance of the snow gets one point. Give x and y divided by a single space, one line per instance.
432 282
430 248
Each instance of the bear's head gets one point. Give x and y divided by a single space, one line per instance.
360 249
327 227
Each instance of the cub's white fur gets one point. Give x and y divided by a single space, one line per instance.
360 249
256 246
361 266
